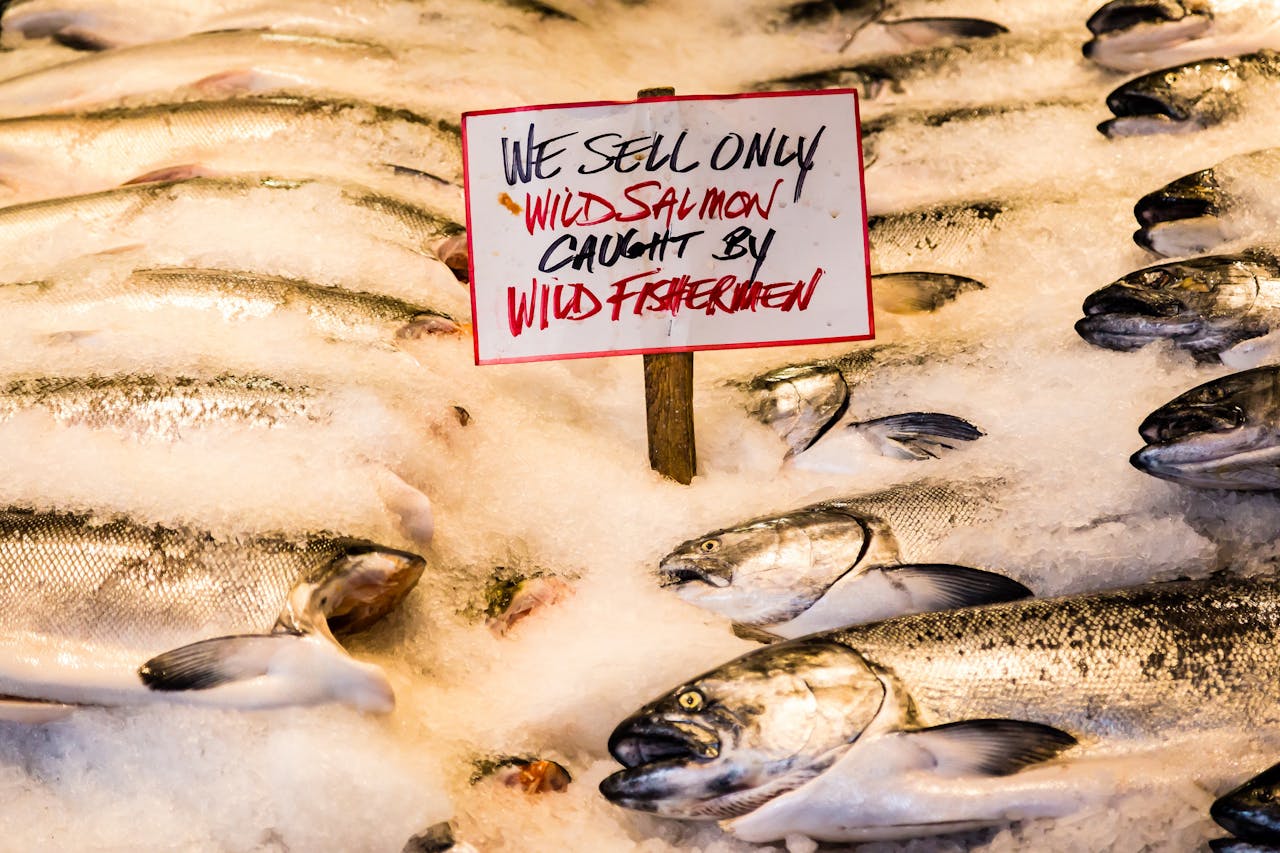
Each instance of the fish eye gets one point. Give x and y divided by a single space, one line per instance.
690 700
710 546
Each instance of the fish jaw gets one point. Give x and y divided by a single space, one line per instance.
800 403
1174 100
1251 811
1184 217
734 738
1126 33
771 569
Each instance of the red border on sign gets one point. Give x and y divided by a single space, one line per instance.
866 235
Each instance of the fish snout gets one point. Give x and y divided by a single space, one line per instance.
1189 197
678 570
645 739
1171 424
1252 810
1125 298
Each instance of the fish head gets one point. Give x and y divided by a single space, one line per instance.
799 402
1127 32
734 738
770 569
1175 100
355 589
1220 435
1252 810
1204 305
1182 217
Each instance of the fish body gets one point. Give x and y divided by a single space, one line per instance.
225 61
38 234
839 561
1233 200
1138 35
957 719
1186 98
335 312
1203 305
1224 434
109 611
58 154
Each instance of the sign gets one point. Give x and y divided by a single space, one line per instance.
665 225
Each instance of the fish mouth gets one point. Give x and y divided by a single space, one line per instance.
1139 113
642 742
679 572
1117 317
1127 31
1189 197
365 583
1167 426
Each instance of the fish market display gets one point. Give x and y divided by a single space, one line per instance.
941 721
110 612
234 301
1137 35
841 561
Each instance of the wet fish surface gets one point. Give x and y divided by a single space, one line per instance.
1138 35
937 722
1203 305
1251 811
841 561
1224 434
110 611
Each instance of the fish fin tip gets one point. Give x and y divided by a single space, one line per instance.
927 31
918 292
917 435
991 747
33 711
941 586
751 632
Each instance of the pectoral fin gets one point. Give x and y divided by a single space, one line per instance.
916 435
922 32
750 632
938 586
268 671
989 747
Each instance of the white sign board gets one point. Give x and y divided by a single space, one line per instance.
664 225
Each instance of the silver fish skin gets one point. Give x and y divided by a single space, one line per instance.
940 721
1139 35
1203 305
943 238
1190 97
220 63
335 312
110 611
839 561
1251 811
162 407
1224 434
69 154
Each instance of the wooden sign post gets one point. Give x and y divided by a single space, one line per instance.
668 395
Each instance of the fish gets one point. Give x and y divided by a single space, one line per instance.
840 561
142 215
909 436
1223 434
528 773
219 63
1190 97
1204 305
1230 201
860 27
1139 35
802 402
112 611
55 154
1235 845
939 722
941 237
512 596
337 313
1250 811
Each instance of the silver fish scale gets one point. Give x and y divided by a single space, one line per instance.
938 235
1147 661
161 407
120 584
921 514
